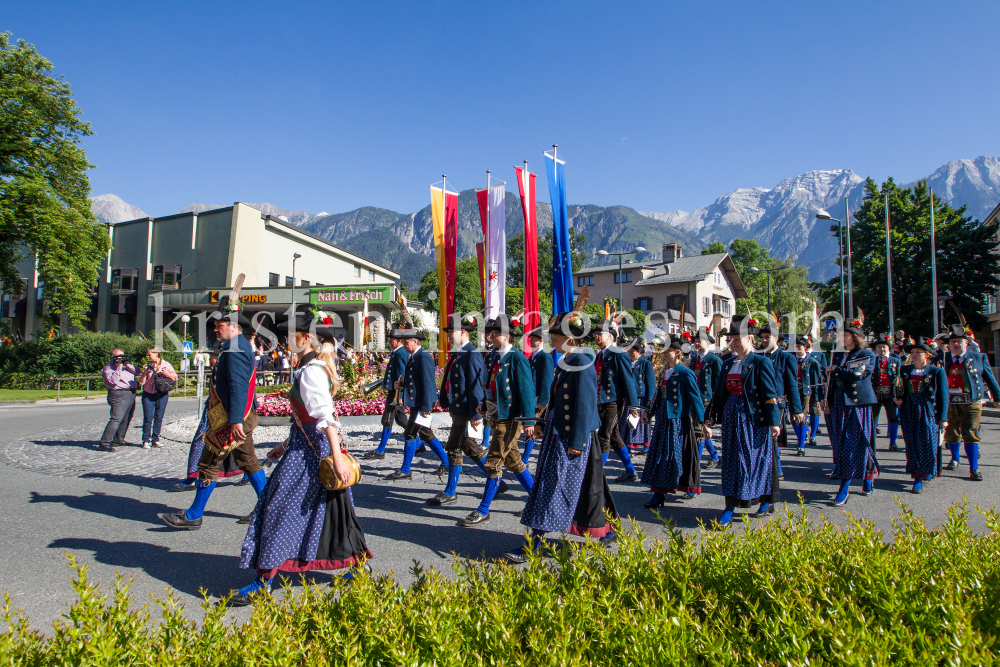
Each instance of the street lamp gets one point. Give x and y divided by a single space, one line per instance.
754 269
605 253
185 318
823 215
294 257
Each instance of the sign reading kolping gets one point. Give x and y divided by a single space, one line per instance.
346 295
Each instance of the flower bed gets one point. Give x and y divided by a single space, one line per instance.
274 405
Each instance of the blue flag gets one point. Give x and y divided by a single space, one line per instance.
562 264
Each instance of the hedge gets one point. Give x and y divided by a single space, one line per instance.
786 592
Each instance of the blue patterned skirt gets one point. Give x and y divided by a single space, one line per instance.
228 467
570 494
638 435
297 524
748 457
920 430
672 460
851 439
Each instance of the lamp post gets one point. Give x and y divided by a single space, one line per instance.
754 269
823 215
605 253
294 257
185 318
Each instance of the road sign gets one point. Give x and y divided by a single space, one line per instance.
188 347
831 325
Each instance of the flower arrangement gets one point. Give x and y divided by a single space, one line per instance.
686 336
856 323
753 321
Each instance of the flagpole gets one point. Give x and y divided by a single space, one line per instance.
934 266
850 274
486 250
888 269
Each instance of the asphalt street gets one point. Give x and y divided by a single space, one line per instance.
61 496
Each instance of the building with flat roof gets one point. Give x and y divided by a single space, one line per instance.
708 285
160 267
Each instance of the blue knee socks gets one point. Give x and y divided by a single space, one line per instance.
257 481
777 456
867 485
727 516
386 432
481 464
529 445
435 445
408 451
524 477
492 484
955 456
454 473
486 435
201 495
845 488
711 450
259 584
800 434
813 425
604 459
626 459
918 484
972 451
893 432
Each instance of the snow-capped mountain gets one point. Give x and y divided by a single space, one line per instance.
111 208
975 183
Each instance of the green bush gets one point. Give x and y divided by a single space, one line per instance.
786 592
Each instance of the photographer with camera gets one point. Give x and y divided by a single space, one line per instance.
119 378
157 379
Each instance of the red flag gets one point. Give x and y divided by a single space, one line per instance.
482 196
526 186
481 254
450 250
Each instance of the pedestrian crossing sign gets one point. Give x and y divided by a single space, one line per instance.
188 347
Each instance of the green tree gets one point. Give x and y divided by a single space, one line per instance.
515 259
44 189
468 295
714 248
967 260
789 288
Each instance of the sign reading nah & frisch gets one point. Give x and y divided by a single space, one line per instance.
350 294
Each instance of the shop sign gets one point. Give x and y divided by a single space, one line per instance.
350 295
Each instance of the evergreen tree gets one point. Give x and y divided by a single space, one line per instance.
967 260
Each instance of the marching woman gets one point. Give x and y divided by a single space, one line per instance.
745 404
922 394
672 461
298 525
645 389
849 404
570 492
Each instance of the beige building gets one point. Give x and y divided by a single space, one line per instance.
707 284
182 263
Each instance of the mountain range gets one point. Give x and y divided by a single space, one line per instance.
782 218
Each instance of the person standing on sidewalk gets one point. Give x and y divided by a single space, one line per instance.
119 378
157 379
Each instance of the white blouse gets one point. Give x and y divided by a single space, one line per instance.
314 392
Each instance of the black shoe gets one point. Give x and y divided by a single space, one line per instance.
180 520
519 513
867 492
951 465
398 474
608 540
475 519
712 463
503 488
812 442
517 556
107 448
760 514
442 498
421 449
653 504
894 448
843 502
240 600
626 477
441 470
878 431
243 482
245 519
800 452
373 454
183 487
975 476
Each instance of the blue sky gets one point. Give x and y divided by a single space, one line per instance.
659 106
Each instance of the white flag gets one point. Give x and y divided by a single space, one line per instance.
496 251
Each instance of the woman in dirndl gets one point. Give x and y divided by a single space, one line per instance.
922 394
298 525
571 494
645 389
849 402
744 404
672 461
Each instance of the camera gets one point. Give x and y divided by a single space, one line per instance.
121 358
149 366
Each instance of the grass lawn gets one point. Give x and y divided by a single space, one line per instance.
40 394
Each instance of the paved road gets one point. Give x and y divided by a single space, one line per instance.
61 496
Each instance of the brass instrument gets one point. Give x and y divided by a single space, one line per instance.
371 386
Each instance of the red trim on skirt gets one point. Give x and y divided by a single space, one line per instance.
592 532
683 489
294 565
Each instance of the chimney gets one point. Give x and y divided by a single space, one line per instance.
672 252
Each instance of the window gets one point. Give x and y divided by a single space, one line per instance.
706 305
371 276
644 303
585 281
722 307
717 277
124 280
273 279
166 277
289 281
675 301
625 276
357 271
305 283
